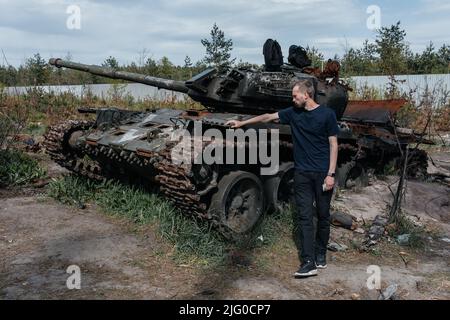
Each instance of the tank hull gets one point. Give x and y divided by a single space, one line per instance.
142 146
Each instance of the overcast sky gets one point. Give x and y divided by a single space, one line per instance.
174 28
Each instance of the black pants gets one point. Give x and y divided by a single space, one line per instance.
308 189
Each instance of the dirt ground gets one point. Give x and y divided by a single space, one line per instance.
40 239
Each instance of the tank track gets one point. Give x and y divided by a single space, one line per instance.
175 181
417 162
176 184
56 145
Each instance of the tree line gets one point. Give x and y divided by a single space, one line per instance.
388 54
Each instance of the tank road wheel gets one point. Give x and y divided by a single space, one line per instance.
279 188
238 202
351 174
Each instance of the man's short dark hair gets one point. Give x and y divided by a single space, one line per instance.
305 86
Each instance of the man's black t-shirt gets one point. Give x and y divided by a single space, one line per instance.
310 132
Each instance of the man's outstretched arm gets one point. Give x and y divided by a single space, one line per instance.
262 118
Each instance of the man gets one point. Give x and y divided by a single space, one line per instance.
314 132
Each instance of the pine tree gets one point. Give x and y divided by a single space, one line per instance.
392 49
187 68
111 62
218 50
444 58
37 70
187 62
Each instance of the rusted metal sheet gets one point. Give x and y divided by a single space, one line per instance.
374 111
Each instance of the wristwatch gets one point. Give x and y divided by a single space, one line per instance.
331 174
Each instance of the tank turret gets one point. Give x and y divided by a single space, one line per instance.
238 90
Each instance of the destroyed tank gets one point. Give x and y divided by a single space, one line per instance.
139 146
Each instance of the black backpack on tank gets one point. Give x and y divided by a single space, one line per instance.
298 57
273 57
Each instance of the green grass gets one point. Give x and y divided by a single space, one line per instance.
72 190
17 168
194 241
272 228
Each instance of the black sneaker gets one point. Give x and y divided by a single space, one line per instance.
321 261
307 269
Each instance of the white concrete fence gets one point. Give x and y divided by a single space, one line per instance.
420 83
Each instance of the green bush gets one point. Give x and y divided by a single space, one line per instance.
17 168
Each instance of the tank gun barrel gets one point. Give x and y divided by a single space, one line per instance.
160 83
